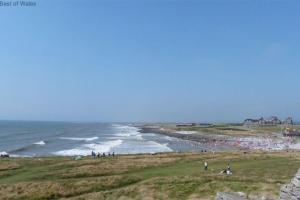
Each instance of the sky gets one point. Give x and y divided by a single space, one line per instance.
150 60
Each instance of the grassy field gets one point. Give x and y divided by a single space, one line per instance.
161 176
231 130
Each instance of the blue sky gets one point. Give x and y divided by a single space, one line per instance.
151 60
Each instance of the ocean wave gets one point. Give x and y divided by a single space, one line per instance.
40 143
148 147
137 136
86 149
105 146
126 128
80 139
3 153
73 152
28 147
128 131
24 148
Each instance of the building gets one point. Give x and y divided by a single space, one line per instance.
251 121
273 120
289 120
186 125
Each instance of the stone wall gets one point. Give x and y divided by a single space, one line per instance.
291 191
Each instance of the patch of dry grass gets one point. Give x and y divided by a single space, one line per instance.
101 167
9 166
161 176
58 189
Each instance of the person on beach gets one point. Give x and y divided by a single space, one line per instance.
205 166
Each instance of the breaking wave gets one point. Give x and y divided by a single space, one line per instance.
80 139
40 143
86 149
127 131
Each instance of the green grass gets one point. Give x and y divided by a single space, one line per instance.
232 130
162 176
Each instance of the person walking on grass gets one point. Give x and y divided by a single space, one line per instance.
205 166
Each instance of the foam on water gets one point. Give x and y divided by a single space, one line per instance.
147 147
69 139
80 139
105 146
3 153
127 131
40 143
73 152
86 149
124 140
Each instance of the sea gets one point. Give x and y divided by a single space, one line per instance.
31 139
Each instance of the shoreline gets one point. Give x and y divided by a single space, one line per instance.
238 143
193 139
210 143
170 133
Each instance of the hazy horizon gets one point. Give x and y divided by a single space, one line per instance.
150 61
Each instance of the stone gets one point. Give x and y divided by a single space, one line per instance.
291 191
230 196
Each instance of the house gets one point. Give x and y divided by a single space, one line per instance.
186 125
289 120
254 121
273 120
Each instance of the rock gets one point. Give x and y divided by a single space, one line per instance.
291 191
230 196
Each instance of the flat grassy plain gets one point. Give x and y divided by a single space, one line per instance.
160 176
231 130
